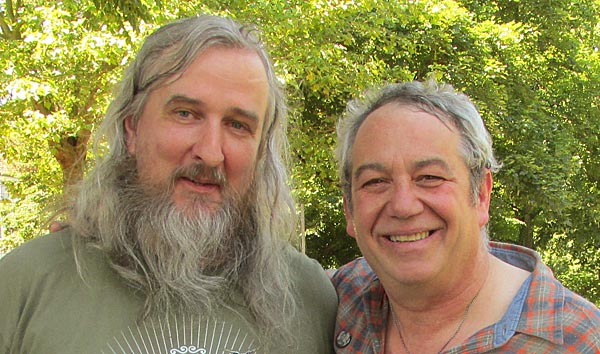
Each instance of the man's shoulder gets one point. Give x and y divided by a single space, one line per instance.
353 276
360 296
571 318
553 311
43 252
303 269
579 309
299 261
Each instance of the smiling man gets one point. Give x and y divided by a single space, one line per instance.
177 238
416 167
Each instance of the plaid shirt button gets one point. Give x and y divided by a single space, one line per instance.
343 339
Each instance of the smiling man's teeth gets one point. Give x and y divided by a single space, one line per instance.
409 238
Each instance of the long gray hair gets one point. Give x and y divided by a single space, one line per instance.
165 55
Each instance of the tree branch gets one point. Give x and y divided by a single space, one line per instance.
10 12
7 32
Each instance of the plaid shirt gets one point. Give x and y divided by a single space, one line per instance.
544 317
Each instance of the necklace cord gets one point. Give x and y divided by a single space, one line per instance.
460 325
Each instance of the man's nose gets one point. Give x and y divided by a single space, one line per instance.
209 145
404 201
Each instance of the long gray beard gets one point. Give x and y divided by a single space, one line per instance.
182 257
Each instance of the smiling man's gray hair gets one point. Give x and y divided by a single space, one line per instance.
441 100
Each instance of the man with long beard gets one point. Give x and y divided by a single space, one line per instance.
175 242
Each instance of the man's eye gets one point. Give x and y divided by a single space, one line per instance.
431 180
373 182
184 114
239 125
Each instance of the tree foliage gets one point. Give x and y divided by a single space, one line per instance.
532 69
58 66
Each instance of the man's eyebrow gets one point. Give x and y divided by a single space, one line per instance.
434 161
374 166
245 113
183 99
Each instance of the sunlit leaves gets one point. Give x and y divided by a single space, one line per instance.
55 84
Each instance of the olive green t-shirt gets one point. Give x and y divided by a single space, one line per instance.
46 306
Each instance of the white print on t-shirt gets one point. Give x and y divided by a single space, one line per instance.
183 336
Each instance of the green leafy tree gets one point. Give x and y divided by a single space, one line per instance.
59 64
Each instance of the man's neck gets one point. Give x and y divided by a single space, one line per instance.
435 318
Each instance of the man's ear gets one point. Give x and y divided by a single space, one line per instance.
484 197
350 229
130 135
